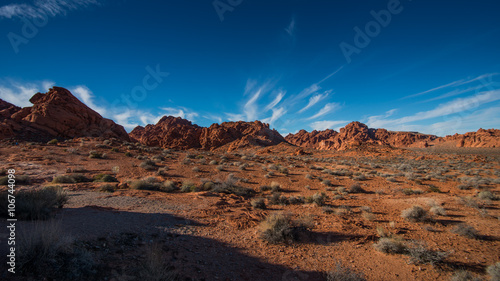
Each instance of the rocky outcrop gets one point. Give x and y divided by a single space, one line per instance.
178 133
57 114
354 135
481 138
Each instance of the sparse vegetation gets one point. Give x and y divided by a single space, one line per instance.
494 271
343 273
37 204
415 214
94 154
19 180
390 246
281 228
104 178
466 231
258 203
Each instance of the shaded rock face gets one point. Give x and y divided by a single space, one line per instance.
356 134
57 114
481 138
178 133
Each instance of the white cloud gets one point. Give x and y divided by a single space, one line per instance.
329 107
19 94
181 112
276 100
314 100
460 106
43 8
327 124
87 97
290 29
460 82
277 114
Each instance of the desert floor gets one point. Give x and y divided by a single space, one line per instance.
207 224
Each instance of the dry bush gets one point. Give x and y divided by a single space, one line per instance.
343 273
148 165
390 246
420 254
494 271
47 253
258 203
415 214
281 228
230 186
20 180
437 210
463 275
466 231
104 178
154 267
36 204
356 188
153 184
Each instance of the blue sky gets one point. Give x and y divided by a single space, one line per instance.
428 66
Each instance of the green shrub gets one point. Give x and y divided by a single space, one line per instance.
53 141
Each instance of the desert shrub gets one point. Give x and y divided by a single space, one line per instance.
213 162
343 273
152 184
115 149
258 203
466 231
281 228
277 199
356 188
360 178
188 186
317 198
104 178
47 252
415 214
275 186
196 169
148 165
390 245
486 195
494 271
419 254
37 204
283 170
53 141
96 154
463 275
162 171
264 188
437 210
326 182
128 154
74 178
369 216
308 176
220 168
154 267
292 200
20 180
107 188
230 186
433 188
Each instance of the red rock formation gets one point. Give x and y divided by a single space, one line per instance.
356 134
58 114
178 133
481 138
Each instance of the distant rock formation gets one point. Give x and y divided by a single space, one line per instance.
354 135
56 114
178 133
481 138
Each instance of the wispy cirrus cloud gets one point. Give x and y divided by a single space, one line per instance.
328 108
463 106
456 83
290 29
328 124
41 9
314 100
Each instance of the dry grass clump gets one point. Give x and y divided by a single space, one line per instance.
343 273
47 252
73 178
154 267
463 275
230 186
258 203
390 246
420 254
415 214
466 231
356 188
318 198
281 228
494 271
153 184
36 204
104 178
19 180
148 165
94 154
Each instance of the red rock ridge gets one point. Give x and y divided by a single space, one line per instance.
178 133
57 114
355 134
481 138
